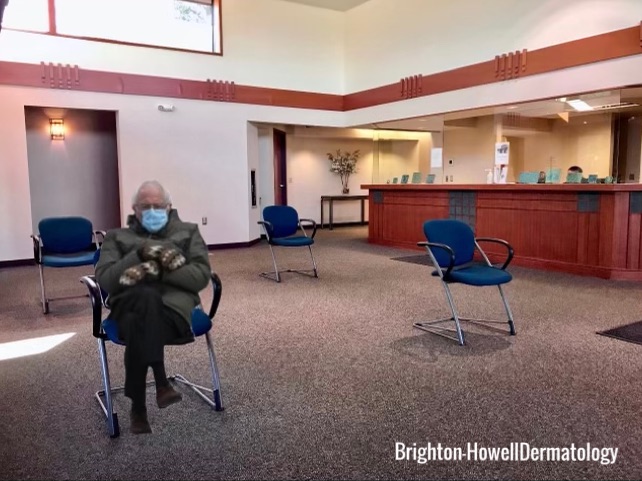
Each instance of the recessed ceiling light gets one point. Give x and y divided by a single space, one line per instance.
511 107
579 105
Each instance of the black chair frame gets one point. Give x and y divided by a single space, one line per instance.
276 274
38 254
434 327
212 396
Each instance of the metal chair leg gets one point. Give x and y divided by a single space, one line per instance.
215 400
511 323
276 274
43 293
314 263
432 326
107 406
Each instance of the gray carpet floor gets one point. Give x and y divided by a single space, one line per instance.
321 377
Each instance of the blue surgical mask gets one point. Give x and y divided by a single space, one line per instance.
154 220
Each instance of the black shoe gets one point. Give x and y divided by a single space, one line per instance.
167 395
139 422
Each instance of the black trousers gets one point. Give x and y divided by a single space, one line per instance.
146 326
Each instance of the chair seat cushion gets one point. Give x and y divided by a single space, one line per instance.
201 324
480 276
69 260
293 241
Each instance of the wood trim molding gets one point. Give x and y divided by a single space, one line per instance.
67 77
511 65
599 48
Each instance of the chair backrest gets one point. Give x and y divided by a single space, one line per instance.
66 235
455 234
284 220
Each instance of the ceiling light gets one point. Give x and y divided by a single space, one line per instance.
579 105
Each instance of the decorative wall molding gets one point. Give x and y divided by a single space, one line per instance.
220 90
411 87
59 76
512 65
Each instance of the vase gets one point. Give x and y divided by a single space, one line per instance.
345 190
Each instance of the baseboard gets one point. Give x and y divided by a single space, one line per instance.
233 245
342 224
17 263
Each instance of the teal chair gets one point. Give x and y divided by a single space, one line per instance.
281 225
451 246
64 242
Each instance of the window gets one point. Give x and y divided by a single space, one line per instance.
192 25
32 15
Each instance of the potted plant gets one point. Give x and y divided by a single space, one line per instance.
344 164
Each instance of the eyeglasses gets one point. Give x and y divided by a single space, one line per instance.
152 206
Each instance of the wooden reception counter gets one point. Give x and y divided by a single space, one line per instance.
586 229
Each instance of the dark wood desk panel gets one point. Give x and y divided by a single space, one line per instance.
586 229
331 199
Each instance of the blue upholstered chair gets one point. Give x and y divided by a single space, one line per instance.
107 330
281 223
451 245
63 242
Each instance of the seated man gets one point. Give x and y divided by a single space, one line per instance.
574 174
153 271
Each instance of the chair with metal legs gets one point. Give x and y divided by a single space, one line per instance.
280 224
451 246
63 242
107 330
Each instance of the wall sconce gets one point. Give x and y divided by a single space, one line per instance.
57 129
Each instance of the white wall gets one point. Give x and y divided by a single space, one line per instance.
387 40
202 151
258 49
199 152
472 150
77 176
309 168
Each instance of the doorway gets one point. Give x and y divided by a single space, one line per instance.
280 167
77 174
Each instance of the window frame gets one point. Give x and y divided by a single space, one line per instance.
217 31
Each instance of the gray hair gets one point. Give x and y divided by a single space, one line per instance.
155 184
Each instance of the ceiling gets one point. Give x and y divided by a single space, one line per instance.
546 109
339 5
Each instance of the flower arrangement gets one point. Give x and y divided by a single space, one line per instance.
344 164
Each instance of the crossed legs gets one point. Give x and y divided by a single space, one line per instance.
146 326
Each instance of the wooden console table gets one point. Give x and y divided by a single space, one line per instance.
341 198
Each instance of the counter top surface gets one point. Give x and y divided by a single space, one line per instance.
509 187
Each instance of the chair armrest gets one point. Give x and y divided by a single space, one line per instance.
217 286
509 249
37 248
267 227
314 227
448 249
102 235
96 304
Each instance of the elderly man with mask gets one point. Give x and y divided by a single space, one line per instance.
153 271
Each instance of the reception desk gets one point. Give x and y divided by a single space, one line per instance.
586 229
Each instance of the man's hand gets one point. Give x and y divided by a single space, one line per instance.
171 259
150 252
147 270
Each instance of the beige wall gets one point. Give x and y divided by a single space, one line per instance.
471 150
588 145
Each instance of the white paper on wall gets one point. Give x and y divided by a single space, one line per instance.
437 157
502 152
